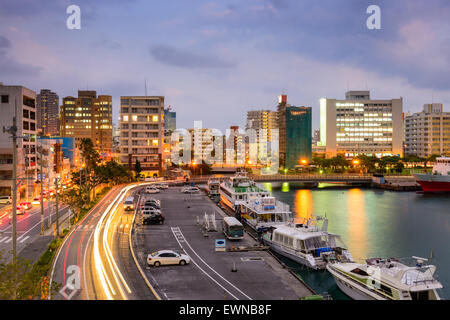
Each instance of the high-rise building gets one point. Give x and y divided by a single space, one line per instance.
19 101
170 120
359 125
295 130
47 113
88 116
142 132
428 132
264 122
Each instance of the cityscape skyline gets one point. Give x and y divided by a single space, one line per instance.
208 66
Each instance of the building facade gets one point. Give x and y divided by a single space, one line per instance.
265 124
170 121
19 101
47 113
295 134
427 133
88 116
359 125
142 133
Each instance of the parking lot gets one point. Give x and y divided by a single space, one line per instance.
211 274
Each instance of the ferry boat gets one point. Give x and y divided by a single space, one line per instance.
238 189
386 279
307 244
212 187
261 213
439 180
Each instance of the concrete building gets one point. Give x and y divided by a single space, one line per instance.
22 102
204 144
428 132
47 113
359 125
170 120
265 124
88 116
295 134
141 126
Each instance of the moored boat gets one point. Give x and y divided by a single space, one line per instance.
439 179
261 213
386 279
239 189
307 244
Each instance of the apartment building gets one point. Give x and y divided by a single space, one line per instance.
88 116
141 126
19 101
428 132
47 113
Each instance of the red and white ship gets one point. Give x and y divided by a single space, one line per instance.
439 179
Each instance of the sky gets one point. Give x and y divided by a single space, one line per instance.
215 60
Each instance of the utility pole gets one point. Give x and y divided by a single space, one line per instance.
41 178
56 207
13 131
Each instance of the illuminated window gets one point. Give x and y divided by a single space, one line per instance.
155 118
134 118
125 118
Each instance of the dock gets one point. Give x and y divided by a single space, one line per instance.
244 270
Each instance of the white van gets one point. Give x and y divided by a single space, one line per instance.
5 199
129 203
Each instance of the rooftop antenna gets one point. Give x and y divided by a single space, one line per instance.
366 84
145 83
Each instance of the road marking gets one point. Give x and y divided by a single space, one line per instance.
9 240
178 231
178 235
4 239
24 239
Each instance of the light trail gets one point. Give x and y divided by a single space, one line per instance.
106 219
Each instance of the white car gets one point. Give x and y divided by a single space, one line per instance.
191 190
151 190
167 257
163 186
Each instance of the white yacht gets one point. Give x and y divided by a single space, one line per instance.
307 244
239 189
261 213
386 279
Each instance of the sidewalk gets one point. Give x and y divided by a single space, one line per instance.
37 247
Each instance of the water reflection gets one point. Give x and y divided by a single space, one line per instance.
357 231
303 205
285 187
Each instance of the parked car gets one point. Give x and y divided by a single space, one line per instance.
191 190
151 189
5 199
167 257
152 217
36 200
152 205
163 186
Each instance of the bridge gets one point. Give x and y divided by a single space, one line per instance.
301 178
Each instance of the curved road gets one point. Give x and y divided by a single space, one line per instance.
95 261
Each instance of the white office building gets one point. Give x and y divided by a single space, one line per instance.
360 125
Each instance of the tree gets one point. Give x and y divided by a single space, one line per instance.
16 281
89 154
137 168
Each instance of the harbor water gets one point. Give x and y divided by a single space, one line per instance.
374 223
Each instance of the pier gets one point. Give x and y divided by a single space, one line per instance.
228 274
